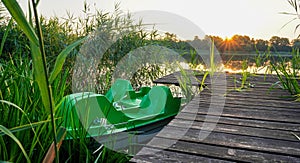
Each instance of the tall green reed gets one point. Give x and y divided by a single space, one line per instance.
22 113
25 117
39 57
10 134
287 70
40 90
243 80
5 36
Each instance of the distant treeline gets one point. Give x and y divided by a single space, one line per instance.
237 43
58 35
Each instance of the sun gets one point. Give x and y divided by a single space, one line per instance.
228 44
228 38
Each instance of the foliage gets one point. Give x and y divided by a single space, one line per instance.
36 67
243 80
296 7
245 44
287 71
29 89
261 45
280 44
30 124
24 72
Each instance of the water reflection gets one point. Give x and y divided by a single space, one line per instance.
236 67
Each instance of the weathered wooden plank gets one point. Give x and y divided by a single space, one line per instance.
158 155
260 81
260 94
239 130
280 147
278 94
252 106
219 101
290 127
263 93
255 124
255 101
219 152
231 77
246 113
277 114
250 97
281 93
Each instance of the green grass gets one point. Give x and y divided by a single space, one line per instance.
31 127
286 68
243 82
36 66
23 112
288 71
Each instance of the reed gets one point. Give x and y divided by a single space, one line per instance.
36 65
287 70
36 83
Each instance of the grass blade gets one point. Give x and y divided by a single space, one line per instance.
12 136
61 59
40 73
38 56
296 136
51 152
45 86
16 12
5 35
25 127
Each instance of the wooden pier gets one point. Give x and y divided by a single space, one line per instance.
257 124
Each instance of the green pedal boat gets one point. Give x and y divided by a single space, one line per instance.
120 109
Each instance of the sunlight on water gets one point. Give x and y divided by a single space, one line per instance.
251 69
236 68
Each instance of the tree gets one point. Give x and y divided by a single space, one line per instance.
280 44
170 37
243 42
217 40
261 45
296 43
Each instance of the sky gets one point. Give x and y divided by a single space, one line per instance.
259 19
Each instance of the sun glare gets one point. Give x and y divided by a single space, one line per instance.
228 44
228 38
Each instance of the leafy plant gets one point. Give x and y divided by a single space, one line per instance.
22 112
36 71
245 74
11 135
39 57
287 71
295 5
